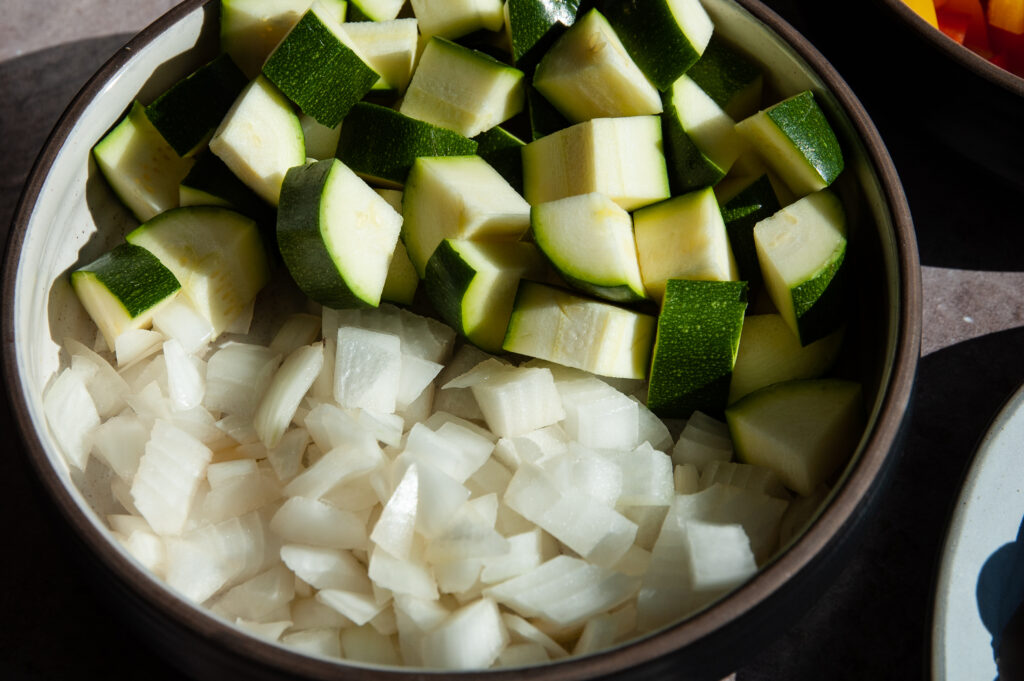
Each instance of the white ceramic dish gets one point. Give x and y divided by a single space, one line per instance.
981 578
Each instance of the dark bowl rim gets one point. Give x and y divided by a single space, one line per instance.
843 508
970 60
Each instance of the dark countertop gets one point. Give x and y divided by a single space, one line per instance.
873 623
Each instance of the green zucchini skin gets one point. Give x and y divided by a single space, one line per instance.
337 236
688 168
188 113
695 348
123 288
317 71
649 32
450 276
534 25
813 135
503 151
728 77
741 213
134 276
300 240
820 303
381 144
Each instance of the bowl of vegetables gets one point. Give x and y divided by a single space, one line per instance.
371 340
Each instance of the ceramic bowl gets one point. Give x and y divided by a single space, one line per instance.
68 216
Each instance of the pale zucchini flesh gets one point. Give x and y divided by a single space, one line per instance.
140 166
553 324
801 250
260 138
589 239
588 74
683 238
216 254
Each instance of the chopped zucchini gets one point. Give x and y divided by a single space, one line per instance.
216 254
458 197
589 240
320 68
683 238
140 166
123 289
260 139
619 157
695 348
801 249
664 37
381 144
336 235
803 430
797 142
588 74
462 89
553 324
188 113
472 285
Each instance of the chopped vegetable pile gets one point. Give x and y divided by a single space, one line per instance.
535 398
993 29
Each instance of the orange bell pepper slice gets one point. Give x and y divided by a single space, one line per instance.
1007 15
924 9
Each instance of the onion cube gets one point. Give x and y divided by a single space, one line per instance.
367 369
301 520
72 415
471 638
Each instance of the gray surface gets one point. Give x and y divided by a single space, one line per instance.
872 623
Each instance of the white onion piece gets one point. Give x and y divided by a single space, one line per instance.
286 390
367 369
415 375
178 320
269 630
259 596
134 345
296 331
471 638
408 576
237 375
204 561
325 568
286 458
309 613
360 608
513 400
335 468
522 655
185 384
564 591
526 551
120 442
308 521
397 523
168 476
521 631
106 386
72 415
646 477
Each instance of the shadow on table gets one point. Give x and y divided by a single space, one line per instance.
55 626
873 623
1000 593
